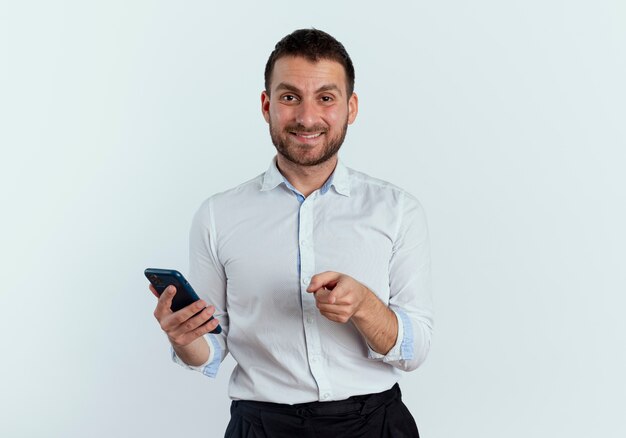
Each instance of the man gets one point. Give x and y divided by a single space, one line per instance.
318 274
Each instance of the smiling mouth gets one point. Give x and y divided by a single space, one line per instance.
307 136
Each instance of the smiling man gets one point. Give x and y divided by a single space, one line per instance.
318 274
308 115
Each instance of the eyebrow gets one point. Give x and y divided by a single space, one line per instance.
293 88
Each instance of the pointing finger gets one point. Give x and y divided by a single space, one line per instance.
327 279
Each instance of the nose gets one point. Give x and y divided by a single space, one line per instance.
307 113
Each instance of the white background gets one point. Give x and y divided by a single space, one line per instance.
505 118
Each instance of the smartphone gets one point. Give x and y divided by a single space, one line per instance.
185 295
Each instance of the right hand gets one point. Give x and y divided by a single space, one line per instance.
182 327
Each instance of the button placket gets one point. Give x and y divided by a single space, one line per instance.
309 309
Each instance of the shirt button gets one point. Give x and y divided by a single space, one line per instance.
306 281
309 319
314 359
326 396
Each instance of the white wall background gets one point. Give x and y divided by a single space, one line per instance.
507 120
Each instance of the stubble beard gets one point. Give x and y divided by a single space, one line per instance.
288 147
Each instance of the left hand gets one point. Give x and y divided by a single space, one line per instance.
338 296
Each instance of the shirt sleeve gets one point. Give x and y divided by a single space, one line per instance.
207 277
410 296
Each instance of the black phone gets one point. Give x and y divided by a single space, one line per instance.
185 295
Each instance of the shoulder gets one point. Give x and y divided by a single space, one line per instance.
362 184
242 192
221 201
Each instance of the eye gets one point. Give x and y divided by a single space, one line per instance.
327 99
288 98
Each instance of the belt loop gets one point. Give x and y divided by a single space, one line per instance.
374 401
362 411
397 388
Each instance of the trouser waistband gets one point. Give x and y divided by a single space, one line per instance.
358 403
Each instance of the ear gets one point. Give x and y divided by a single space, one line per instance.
353 108
265 105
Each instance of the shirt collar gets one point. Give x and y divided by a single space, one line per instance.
272 177
340 179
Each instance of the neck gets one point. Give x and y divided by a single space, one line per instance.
306 179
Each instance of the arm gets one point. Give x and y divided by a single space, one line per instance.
206 274
205 352
398 332
410 288
341 298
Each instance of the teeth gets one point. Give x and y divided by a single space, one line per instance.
311 135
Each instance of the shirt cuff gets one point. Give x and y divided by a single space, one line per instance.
211 366
403 349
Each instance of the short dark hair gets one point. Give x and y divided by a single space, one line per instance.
311 44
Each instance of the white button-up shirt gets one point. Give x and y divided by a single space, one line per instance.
253 251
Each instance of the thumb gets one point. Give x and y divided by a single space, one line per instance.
325 296
164 304
326 279
167 296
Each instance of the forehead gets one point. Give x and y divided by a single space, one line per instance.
308 75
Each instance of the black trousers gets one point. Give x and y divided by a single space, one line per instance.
381 415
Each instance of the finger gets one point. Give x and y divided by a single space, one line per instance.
333 308
193 322
153 290
336 317
326 279
187 338
326 296
181 316
164 304
208 327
